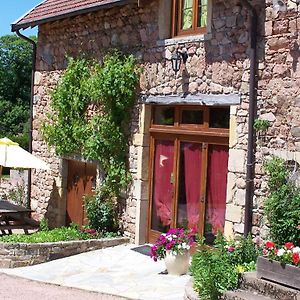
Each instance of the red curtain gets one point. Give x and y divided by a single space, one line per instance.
163 188
192 170
216 187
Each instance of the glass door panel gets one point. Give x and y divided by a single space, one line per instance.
163 186
189 185
216 188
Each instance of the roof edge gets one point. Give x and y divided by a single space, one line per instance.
15 26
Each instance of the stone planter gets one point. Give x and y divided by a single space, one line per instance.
13 255
177 264
278 272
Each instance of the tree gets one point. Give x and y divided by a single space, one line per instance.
15 83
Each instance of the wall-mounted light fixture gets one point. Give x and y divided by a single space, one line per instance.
177 57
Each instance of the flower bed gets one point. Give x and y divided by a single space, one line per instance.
286 254
280 264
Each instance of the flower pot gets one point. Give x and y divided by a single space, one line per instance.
278 272
177 264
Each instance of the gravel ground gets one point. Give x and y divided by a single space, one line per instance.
16 288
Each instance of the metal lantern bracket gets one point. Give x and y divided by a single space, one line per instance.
177 57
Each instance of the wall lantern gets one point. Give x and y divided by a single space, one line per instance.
176 59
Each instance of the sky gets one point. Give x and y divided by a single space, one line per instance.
11 10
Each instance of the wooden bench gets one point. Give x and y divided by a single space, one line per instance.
14 216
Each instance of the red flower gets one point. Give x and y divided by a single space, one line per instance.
270 245
296 258
289 245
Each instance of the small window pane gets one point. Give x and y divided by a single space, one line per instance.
187 14
202 13
192 117
164 115
219 117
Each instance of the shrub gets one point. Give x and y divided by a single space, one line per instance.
282 206
216 269
213 273
101 213
55 235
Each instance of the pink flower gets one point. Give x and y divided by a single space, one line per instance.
230 249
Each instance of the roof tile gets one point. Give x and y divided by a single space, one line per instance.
56 8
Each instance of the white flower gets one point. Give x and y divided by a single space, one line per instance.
179 246
188 247
169 238
280 252
184 246
174 236
174 253
296 250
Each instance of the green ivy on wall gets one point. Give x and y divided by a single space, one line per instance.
110 88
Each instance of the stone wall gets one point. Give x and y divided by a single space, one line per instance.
14 188
22 254
218 63
278 102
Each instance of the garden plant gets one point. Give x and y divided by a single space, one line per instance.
217 269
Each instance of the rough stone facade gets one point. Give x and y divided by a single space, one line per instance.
14 188
218 63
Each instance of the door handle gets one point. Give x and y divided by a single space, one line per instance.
202 199
172 178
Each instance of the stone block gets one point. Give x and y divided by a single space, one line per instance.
238 228
231 179
228 230
269 117
140 189
232 131
37 78
143 163
234 213
237 160
295 131
240 197
141 222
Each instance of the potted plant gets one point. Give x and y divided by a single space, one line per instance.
280 264
174 247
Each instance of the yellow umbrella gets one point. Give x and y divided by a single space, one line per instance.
13 156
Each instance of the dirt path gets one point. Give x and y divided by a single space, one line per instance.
16 288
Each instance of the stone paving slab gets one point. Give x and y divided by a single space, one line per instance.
116 271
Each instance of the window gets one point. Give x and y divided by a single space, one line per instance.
190 118
189 16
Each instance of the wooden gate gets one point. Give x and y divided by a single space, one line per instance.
81 179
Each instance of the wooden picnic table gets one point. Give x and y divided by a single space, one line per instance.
14 216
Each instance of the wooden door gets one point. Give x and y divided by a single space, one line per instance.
188 169
188 183
81 179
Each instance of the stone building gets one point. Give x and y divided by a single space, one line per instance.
191 154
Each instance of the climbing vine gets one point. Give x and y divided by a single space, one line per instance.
108 87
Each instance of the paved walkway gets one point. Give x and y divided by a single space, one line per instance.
115 271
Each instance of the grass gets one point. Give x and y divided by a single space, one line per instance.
55 235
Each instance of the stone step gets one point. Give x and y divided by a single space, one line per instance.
251 283
244 295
